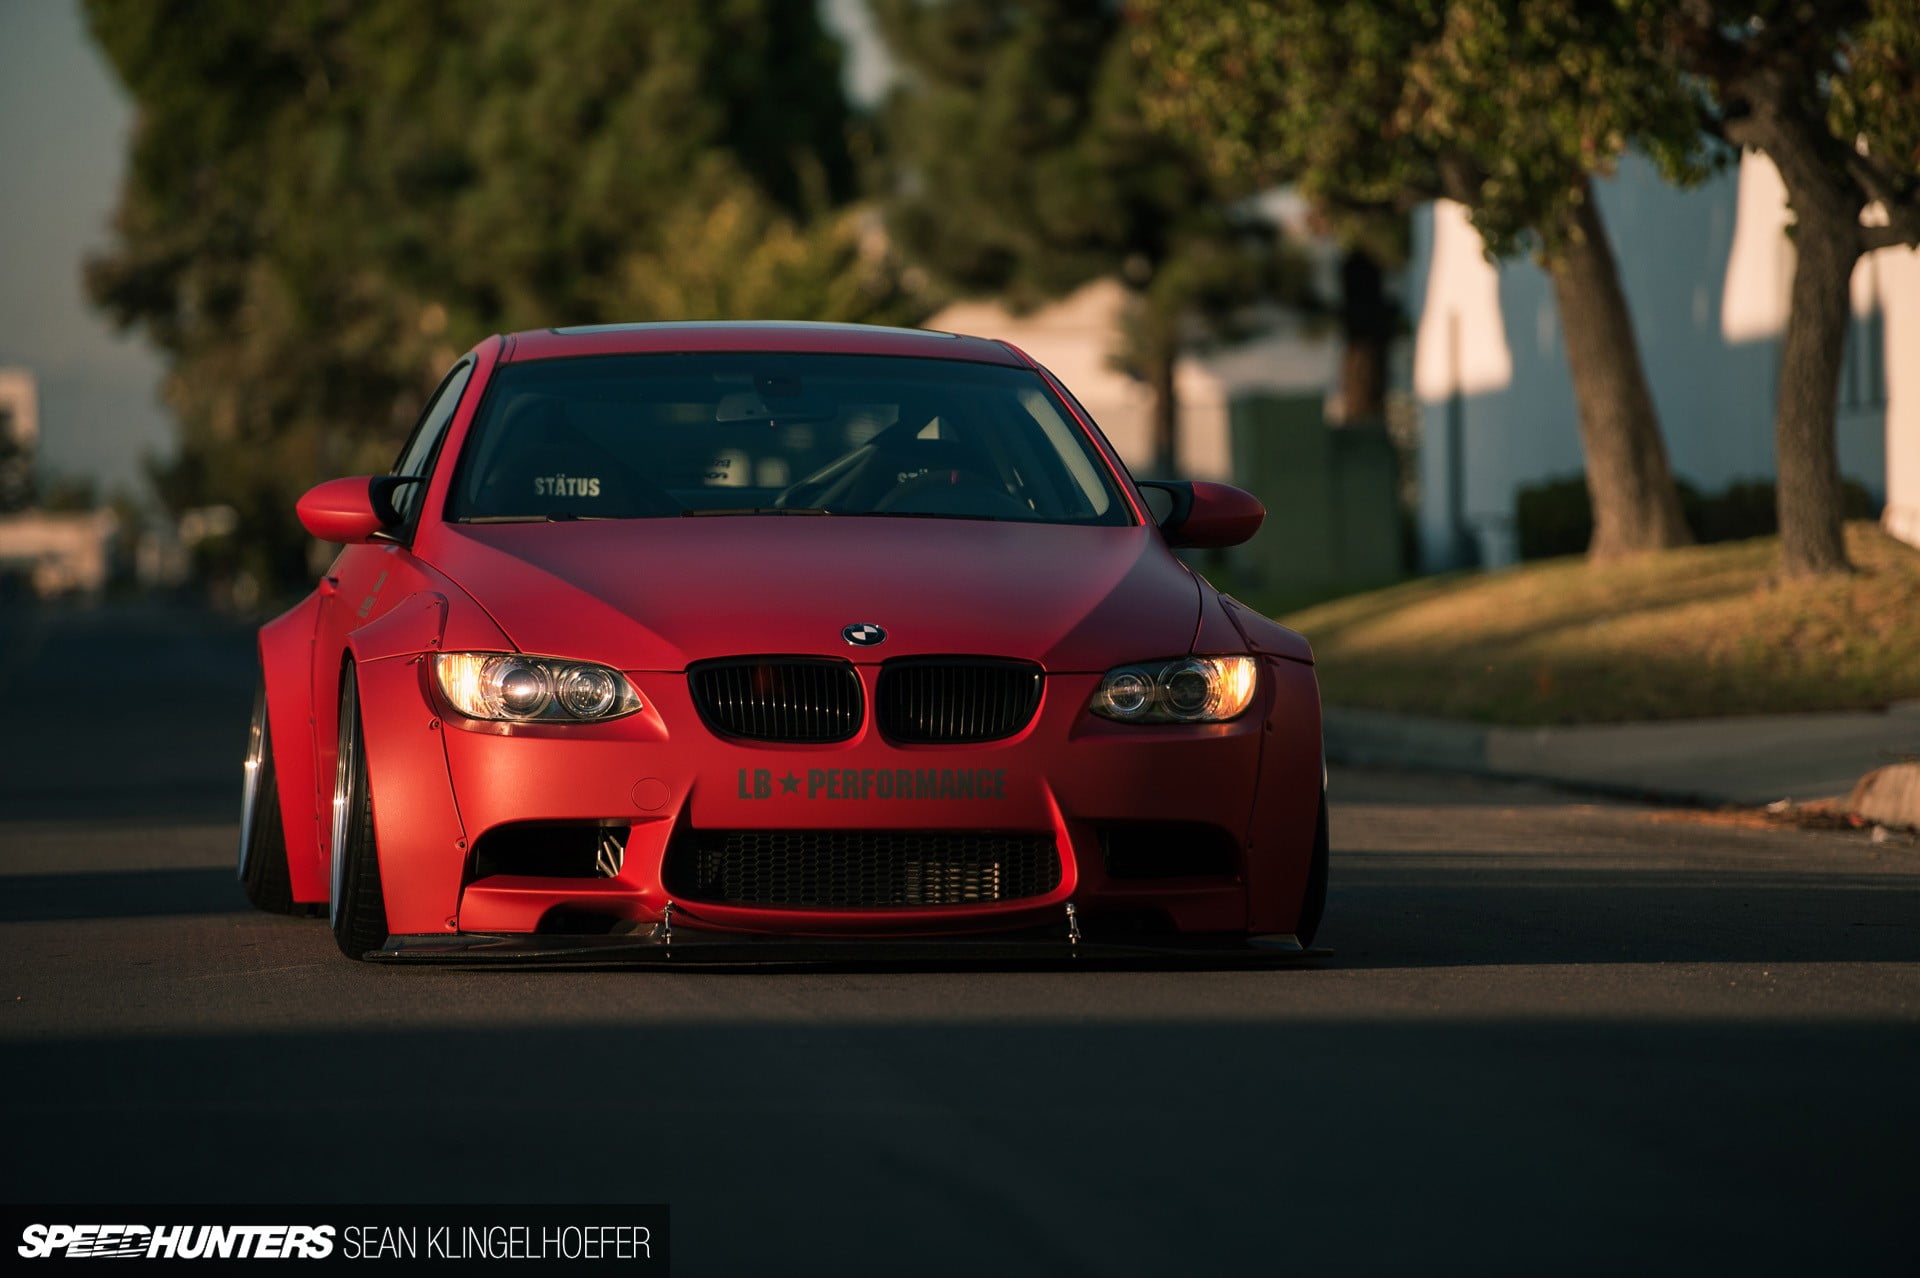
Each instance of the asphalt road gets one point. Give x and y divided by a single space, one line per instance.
1555 1038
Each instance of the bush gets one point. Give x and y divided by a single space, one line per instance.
1552 519
1556 517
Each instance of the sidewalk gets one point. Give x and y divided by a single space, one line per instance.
1746 761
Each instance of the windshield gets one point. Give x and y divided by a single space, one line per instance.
654 436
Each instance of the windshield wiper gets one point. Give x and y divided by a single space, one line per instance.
756 510
558 517
928 514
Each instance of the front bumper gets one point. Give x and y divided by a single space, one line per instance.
660 773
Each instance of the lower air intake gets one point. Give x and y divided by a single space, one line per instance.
551 849
859 869
1169 850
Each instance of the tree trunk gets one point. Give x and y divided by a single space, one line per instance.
1363 380
1808 495
1367 319
1162 356
1774 95
1635 505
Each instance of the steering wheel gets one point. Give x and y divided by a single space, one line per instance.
947 490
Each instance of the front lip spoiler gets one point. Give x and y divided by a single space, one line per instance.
686 947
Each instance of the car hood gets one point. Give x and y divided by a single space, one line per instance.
656 594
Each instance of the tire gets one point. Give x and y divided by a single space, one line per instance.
262 863
1314 904
357 909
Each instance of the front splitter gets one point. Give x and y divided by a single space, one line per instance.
686 947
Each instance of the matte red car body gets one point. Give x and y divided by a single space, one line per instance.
648 596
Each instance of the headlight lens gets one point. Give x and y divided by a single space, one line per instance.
587 692
511 687
1178 690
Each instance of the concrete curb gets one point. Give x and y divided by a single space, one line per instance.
1381 739
1746 761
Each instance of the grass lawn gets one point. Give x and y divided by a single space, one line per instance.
1702 631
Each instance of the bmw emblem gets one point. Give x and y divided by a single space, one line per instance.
864 634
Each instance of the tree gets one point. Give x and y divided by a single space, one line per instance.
1369 321
1505 106
1026 169
326 202
1831 93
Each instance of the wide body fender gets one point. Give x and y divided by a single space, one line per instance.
427 613
417 830
1286 812
1286 807
286 659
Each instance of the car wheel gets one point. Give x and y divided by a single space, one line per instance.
357 908
1315 902
263 840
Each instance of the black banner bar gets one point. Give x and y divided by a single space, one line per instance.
635 1237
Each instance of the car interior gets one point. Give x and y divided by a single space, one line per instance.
775 443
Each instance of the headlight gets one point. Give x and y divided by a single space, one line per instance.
1179 690
492 685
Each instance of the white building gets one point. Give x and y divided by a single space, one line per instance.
59 553
1707 274
51 554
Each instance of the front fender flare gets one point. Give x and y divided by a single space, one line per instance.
286 662
421 841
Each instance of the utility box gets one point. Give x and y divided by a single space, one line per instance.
1332 521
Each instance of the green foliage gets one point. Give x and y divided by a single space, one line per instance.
1027 168
328 201
1831 91
1876 97
1504 105
996 128
1555 517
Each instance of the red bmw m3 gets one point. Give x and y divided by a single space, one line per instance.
741 642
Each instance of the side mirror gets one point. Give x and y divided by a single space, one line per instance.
1204 515
351 510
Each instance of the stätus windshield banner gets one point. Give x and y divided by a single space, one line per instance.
383 1236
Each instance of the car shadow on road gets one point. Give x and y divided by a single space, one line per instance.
111 894
936 1146
1386 910
92 804
1404 909
124 711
